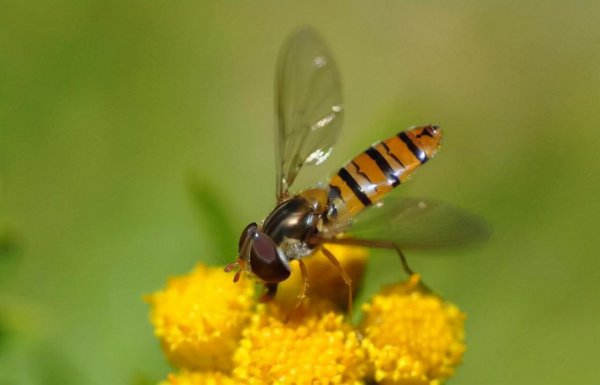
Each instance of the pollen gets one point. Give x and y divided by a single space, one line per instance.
199 317
412 336
199 378
315 347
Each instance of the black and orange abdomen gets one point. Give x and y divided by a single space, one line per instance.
367 178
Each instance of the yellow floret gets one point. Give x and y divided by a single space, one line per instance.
199 317
199 378
325 279
412 336
316 347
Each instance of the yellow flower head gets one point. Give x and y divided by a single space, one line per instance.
412 336
315 347
199 317
199 378
216 333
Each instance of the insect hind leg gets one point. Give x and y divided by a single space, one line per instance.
375 245
403 260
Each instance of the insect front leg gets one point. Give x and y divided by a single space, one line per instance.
269 294
344 274
304 273
303 289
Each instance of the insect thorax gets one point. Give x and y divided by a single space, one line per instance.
294 222
295 249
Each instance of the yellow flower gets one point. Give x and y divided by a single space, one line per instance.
199 317
412 336
199 378
314 347
215 333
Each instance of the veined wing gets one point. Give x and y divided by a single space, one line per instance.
309 106
419 223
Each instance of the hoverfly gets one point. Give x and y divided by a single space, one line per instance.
309 118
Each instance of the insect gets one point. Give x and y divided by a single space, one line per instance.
350 208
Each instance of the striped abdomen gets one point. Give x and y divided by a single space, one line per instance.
367 178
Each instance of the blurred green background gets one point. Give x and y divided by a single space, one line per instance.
108 109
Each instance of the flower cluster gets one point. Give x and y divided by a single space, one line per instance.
214 332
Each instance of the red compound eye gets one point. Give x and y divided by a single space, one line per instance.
266 261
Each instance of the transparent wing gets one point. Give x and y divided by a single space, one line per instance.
309 105
419 223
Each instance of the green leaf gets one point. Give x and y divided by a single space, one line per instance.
4 333
10 248
9 245
215 214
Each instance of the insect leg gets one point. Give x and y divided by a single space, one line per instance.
373 244
302 294
344 274
269 294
